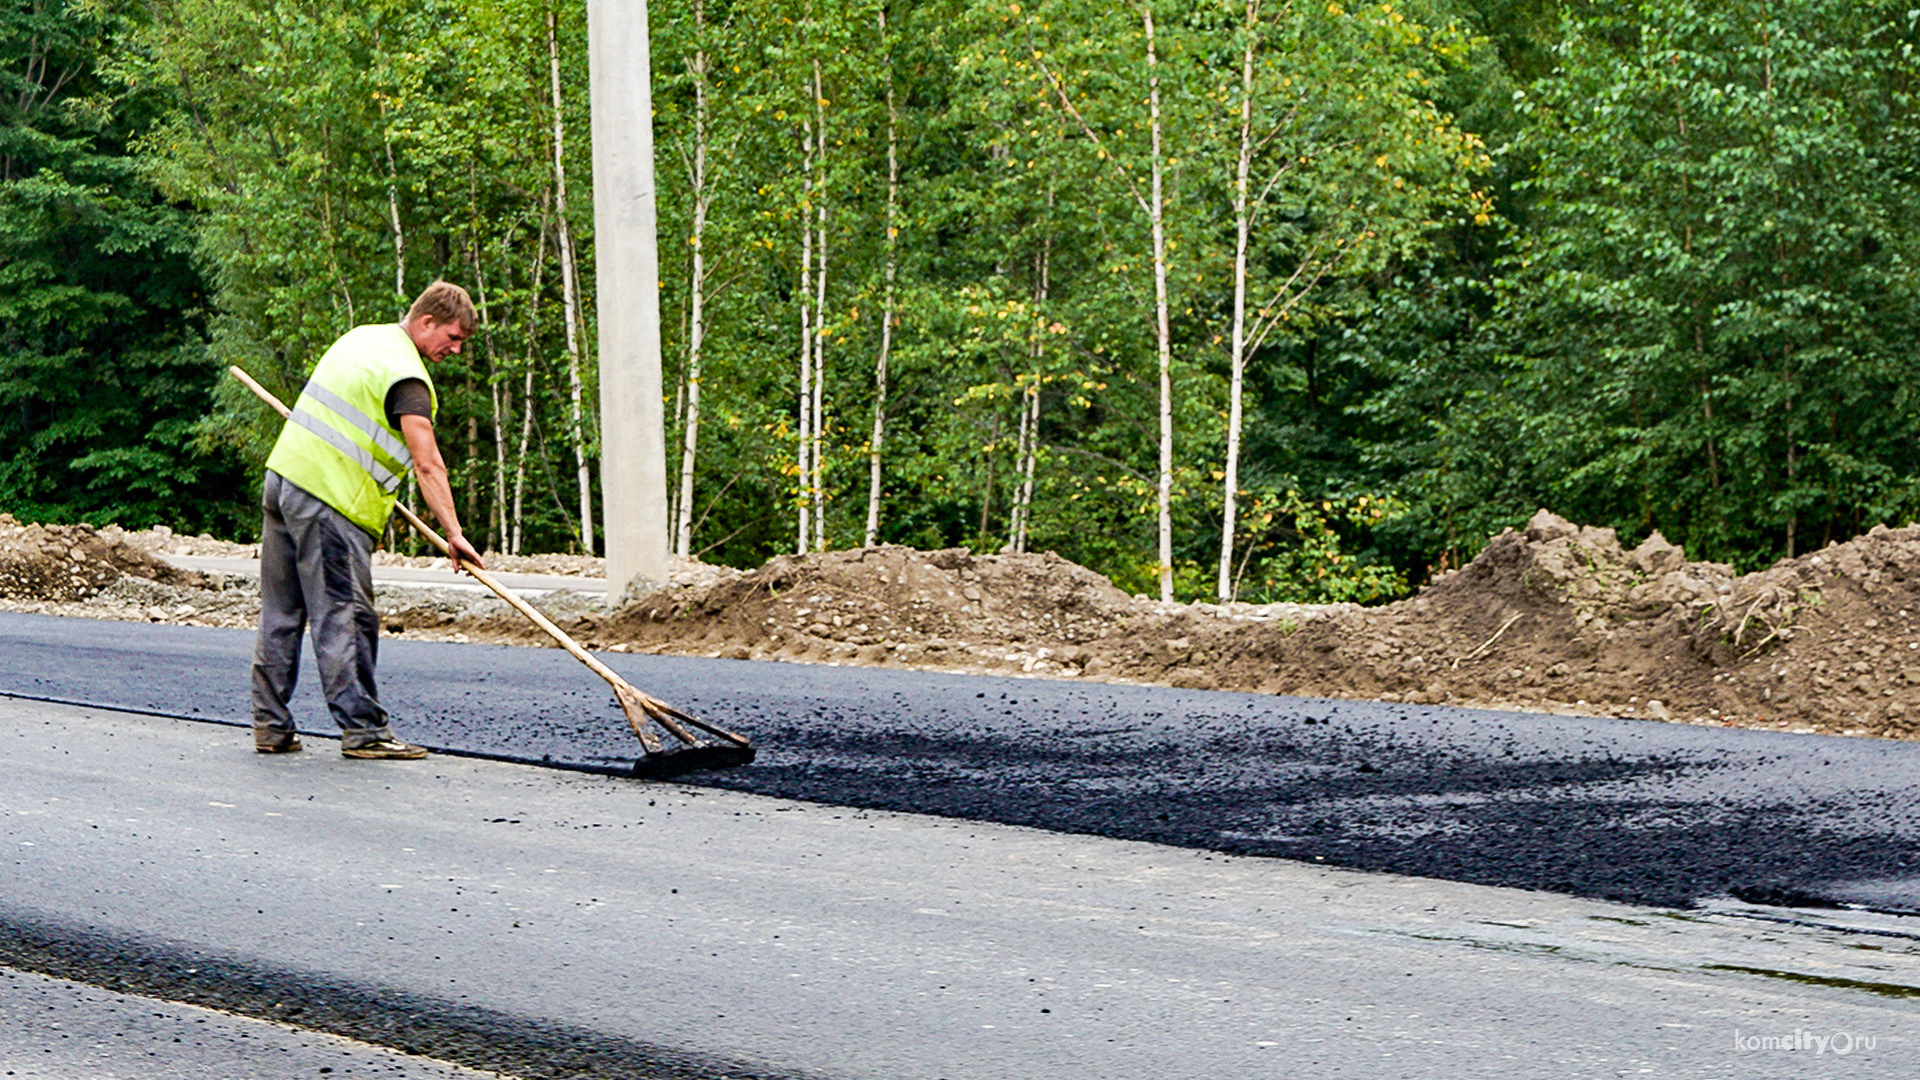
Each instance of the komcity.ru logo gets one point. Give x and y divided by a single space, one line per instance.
1802 1042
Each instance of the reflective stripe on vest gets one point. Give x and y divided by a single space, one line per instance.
367 426
354 451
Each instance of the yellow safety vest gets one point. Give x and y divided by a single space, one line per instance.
337 445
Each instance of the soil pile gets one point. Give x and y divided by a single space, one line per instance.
947 609
74 562
1562 618
1556 617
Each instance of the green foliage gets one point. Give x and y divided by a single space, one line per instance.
343 158
1649 264
103 367
1710 325
1310 556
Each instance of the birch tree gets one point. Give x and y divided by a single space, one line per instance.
1152 198
569 292
1354 176
701 192
891 247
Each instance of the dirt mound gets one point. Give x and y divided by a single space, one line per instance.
1562 618
877 605
1556 617
74 562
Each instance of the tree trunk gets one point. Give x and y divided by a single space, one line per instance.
820 322
568 290
1793 516
1243 228
804 472
502 404
1162 327
527 401
1028 456
886 304
696 288
528 404
493 536
393 217
1015 531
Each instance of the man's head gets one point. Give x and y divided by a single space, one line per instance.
440 321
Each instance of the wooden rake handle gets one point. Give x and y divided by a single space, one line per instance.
628 695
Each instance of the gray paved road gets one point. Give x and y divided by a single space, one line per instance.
548 923
1615 809
57 1029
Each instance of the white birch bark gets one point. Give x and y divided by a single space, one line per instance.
1162 328
494 516
803 471
1243 228
520 463
569 291
1025 454
527 401
696 280
394 539
1253 323
1153 203
393 216
1028 457
886 304
818 485
1019 468
497 514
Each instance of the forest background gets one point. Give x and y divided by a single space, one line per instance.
1241 298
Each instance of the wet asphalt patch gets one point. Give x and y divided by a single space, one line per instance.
1624 810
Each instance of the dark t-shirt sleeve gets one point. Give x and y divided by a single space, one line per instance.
408 397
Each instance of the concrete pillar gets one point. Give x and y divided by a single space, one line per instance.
633 458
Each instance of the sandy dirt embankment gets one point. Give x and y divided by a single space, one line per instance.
1555 618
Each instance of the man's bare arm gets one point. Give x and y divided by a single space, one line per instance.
431 470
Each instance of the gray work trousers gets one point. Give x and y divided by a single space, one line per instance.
316 566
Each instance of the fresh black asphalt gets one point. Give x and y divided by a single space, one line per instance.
1624 810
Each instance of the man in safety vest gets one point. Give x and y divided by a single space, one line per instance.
365 417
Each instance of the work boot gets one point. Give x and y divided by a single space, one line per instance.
275 744
385 750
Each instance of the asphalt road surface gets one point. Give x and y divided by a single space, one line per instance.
57 1028
550 923
1625 810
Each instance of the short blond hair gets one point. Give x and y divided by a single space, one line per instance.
445 302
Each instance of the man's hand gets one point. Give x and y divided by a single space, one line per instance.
463 553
